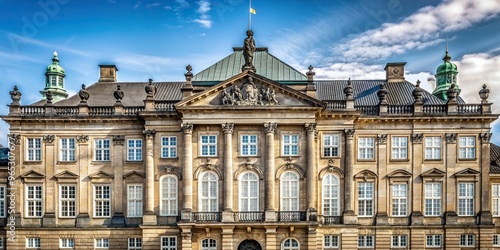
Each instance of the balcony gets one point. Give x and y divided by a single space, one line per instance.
332 220
206 216
248 216
291 216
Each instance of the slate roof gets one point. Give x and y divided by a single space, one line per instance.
494 159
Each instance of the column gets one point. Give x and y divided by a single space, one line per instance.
49 217
485 213
270 128
84 158
187 161
228 129
227 237
415 197
311 171
149 217
449 194
271 239
382 192
349 214
187 236
118 219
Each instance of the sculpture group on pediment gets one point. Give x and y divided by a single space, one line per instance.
249 94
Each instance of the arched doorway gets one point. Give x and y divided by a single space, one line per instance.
249 245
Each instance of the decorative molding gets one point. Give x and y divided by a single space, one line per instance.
290 166
149 134
311 128
169 170
49 138
451 138
382 139
207 167
118 139
228 128
366 175
249 94
331 169
248 166
66 175
270 127
15 139
349 133
134 173
187 128
417 138
82 138
101 175
485 137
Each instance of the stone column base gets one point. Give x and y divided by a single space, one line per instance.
149 219
83 220
350 218
49 220
450 218
417 218
270 215
186 215
485 218
382 219
118 220
227 216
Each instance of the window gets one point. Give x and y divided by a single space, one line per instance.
67 243
432 199
366 241
2 243
102 201
67 200
290 145
208 244
399 241
466 198
134 150
289 191
291 244
331 145
34 149
67 149
208 191
101 243
168 195
433 148
330 195
32 242
467 147
365 199
366 148
134 243
249 192
34 201
169 243
208 145
467 240
134 203
331 241
399 199
433 240
496 240
399 147
249 145
169 147
3 213
495 196
101 150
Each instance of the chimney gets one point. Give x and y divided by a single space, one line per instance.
108 73
395 72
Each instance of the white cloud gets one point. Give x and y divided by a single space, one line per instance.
18 39
152 5
203 9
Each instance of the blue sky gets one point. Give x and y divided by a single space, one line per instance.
158 38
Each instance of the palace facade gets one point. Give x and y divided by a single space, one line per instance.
252 154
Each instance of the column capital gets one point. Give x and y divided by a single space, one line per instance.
349 133
228 128
310 127
187 128
417 138
82 138
382 138
485 137
270 127
15 139
451 138
49 138
149 134
118 139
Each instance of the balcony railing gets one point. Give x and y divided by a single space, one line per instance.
248 216
206 217
332 220
291 216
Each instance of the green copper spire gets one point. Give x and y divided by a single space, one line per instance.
446 75
54 81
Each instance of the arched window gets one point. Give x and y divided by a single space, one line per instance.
291 244
289 191
207 190
168 195
208 244
249 192
330 195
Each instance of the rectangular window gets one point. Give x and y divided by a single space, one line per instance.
399 241
433 148
101 150
33 243
67 243
399 199
67 200
134 150
168 243
34 149
34 201
3 203
496 240
331 145
467 147
134 243
495 199
169 147
366 148
249 145
365 199
67 149
467 240
2 245
366 241
433 240
291 145
101 243
432 198
331 241
399 147
102 201
208 145
466 198
134 203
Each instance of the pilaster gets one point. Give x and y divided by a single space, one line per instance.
270 128
118 219
227 237
416 198
449 192
49 217
271 241
149 217
382 190
187 161
349 215
84 158
228 129
311 166
485 213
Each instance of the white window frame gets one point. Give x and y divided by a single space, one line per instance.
67 149
467 147
248 146
331 241
169 195
169 147
399 199
433 240
399 241
34 201
331 195
101 243
399 148
496 240
331 145
134 200
287 244
366 199
208 147
67 243
3 201
366 148
2 243
466 198
168 243
134 149
249 187
435 197
102 202
67 200
290 143
433 148
33 149
101 152
209 244
290 201
33 243
495 199
134 244
467 240
209 200
366 241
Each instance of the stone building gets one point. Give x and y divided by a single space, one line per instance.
253 154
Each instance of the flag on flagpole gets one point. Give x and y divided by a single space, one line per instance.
252 10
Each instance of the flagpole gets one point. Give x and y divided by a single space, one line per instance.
250 16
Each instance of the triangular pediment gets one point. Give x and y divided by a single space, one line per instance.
66 175
249 90
134 174
400 173
469 172
101 175
366 175
433 173
32 174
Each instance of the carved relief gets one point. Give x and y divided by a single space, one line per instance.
249 94
417 138
187 128
49 138
118 139
311 127
270 127
485 138
82 138
149 134
349 133
451 138
15 139
228 128
382 139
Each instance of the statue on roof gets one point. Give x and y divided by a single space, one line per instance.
248 50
